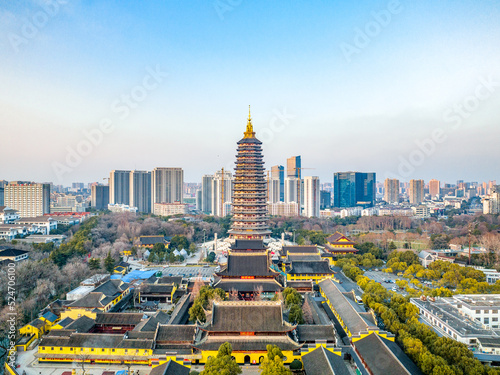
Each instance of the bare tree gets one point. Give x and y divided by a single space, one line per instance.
306 309
233 295
82 358
257 293
196 288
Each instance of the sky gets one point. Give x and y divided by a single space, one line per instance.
404 89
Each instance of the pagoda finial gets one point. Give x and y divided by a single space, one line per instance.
249 133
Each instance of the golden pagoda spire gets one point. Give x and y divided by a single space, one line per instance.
249 133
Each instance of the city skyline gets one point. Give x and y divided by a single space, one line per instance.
416 97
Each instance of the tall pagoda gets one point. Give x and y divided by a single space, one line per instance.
250 220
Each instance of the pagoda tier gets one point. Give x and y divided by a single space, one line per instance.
250 220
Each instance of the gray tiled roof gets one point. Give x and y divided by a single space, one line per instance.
310 267
247 317
170 368
384 357
323 362
351 318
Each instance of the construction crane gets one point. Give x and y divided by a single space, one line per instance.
222 195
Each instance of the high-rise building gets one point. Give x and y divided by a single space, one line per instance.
434 188
2 191
198 200
273 188
99 197
391 190
222 191
491 203
250 220
29 199
140 191
283 209
416 191
293 167
206 193
353 189
292 190
167 185
278 172
311 196
119 187
325 199
77 185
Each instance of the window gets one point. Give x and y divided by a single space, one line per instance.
486 311
60 349
92 349
494 311
478 311
52 348
71 349
495 319
113 350
486 320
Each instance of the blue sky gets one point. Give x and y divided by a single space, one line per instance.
67 66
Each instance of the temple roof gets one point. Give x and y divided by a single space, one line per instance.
339 238
313 332
247 264
383 356
286 250
268 285
321 361
118 318
351 318
303 257
247 316
176 332
247 343
248 245
170 368
310 267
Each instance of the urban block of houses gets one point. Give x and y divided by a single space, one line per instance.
8 215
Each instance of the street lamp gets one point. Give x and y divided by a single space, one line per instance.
204 246
294 236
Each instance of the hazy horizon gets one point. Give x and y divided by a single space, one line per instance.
400 89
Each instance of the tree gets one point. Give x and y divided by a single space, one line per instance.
291 296
223 363
192 248
109 263
273 363
211 257
295 315
94 264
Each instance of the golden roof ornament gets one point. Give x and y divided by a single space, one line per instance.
249 133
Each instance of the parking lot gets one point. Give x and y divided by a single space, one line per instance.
387 280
